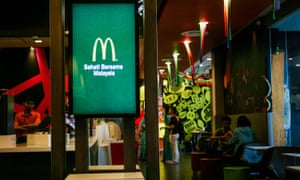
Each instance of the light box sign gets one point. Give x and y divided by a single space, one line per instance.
104 59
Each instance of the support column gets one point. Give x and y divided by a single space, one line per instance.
129 143
151 104
57 59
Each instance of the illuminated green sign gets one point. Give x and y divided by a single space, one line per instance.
104 59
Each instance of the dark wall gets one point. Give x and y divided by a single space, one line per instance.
16 66
24 18
246 88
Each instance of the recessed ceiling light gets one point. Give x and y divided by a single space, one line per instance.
167 59
37 40
192 33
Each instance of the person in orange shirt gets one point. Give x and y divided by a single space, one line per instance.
26 121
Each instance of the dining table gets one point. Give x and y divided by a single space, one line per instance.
196 135
259 147
293 156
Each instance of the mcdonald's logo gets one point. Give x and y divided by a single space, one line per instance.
103 49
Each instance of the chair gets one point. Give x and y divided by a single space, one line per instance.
253 156
234 166
258 160
235 159
237 173
195 160
211 168
276 164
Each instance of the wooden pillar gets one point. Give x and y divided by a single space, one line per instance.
57 57
151 104
129 145
81 145
278 99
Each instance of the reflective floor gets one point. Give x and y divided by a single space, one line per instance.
181 171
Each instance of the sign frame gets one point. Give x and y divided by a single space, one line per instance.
124 103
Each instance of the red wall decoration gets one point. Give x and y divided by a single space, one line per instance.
43 78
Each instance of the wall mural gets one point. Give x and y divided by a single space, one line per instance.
193 104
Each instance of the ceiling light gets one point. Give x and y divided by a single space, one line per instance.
37 40
166 59
161 71
168 63
191 33
203 24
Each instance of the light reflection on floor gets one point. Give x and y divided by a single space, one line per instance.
181 171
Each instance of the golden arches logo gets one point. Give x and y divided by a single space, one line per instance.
103 49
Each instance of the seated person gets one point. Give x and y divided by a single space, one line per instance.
222 136
26 121
242 134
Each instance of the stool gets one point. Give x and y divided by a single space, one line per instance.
211 168
237 173
195 160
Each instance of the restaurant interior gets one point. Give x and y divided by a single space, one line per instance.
244 61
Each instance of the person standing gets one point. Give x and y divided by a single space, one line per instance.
137 132
26 121
174 135
167 152
142 132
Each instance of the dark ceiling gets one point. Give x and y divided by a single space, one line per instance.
20 20
179 16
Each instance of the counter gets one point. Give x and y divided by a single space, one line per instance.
36 148
34 162
115 175
117 152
